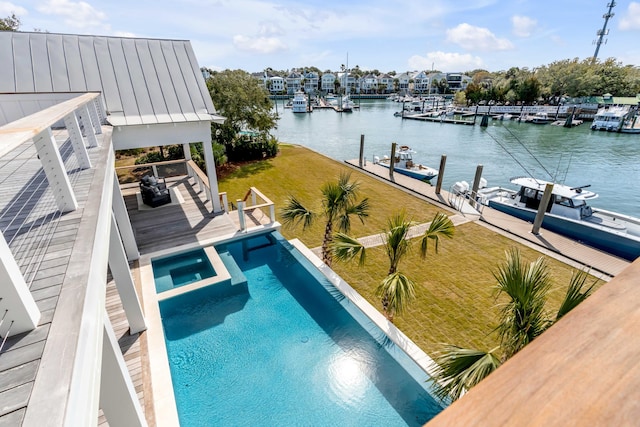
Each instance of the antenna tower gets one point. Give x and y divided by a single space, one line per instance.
603 32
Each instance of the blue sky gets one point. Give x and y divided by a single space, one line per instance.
386 35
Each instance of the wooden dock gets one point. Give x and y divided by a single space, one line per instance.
439 119
551 244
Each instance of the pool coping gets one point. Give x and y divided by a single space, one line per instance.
164 404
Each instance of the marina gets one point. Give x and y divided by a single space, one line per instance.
607 161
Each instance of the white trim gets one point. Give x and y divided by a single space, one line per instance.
23 313
89 128
55 171
124 223
124 281
77 141
118 398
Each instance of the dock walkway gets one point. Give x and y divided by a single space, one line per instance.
551 244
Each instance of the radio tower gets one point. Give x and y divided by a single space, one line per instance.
603 32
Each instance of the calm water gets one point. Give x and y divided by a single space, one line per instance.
283 350
610 163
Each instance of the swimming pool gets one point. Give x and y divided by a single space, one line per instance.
284 347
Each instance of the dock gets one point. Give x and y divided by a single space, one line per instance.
551 244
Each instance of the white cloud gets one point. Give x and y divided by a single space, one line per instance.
259 44
470 37
7 8
77 14
445 61
631 20
523 26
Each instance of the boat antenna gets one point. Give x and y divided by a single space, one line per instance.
567 170
531 154
512 156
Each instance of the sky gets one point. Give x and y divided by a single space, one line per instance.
387 35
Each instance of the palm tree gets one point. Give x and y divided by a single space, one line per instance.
396 290
522 318
338 205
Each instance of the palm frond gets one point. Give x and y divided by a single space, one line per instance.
575 295
399 291
346 248
523 317
459 369
295 213
396 244
441 226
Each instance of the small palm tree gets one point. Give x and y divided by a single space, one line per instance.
396 290
339 203
522 318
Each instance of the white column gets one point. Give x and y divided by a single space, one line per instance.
118 399
23 312
77 141
94 112
124 224
211 173
89 129
55 171
119 267
186 148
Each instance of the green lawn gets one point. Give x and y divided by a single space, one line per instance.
455 299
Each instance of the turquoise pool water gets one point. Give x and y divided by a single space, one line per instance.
183 269
285 348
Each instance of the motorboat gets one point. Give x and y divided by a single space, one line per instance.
300 103
610 118
403 164
347 104
541 118
569 214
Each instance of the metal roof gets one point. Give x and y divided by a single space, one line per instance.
143 81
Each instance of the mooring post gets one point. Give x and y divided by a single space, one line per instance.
392 160
476 185
443 162
361 158
546 197
475 116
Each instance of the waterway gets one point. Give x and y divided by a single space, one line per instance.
608 162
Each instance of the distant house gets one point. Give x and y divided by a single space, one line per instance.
403 82
311 80
294 82
454 81
276 85
386 82
368 84
349 83
421 82
328 82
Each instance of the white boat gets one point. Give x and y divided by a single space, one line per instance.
347 104
505 116
541 118
616 118
404 164
300 103
568 214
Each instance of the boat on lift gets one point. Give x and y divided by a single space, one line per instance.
403 164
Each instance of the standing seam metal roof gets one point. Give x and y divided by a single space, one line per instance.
127 71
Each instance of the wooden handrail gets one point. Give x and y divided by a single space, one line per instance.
141 165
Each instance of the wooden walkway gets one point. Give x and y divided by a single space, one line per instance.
547 242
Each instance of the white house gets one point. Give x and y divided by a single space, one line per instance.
311 80
277 85
386 82
294 82
328 82
368 84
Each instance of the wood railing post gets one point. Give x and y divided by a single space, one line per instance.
272 212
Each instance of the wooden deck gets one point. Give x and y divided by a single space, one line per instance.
168 226
547 242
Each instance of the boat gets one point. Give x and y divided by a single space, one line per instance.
300 103
505 116
347 104
568 214
610 118
541 118
404 164
331 100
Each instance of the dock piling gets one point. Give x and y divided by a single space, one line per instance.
546 197
443 162
361 158
392 160
476 185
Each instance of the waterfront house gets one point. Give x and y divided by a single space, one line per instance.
67 103
328 82
368 84
293 82
348 82
385 81
311 80
421 82
276 85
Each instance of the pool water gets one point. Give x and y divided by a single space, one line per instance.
286 348
180 270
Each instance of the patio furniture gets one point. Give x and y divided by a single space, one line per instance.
154 191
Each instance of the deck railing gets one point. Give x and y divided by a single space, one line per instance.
131 175
244 206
